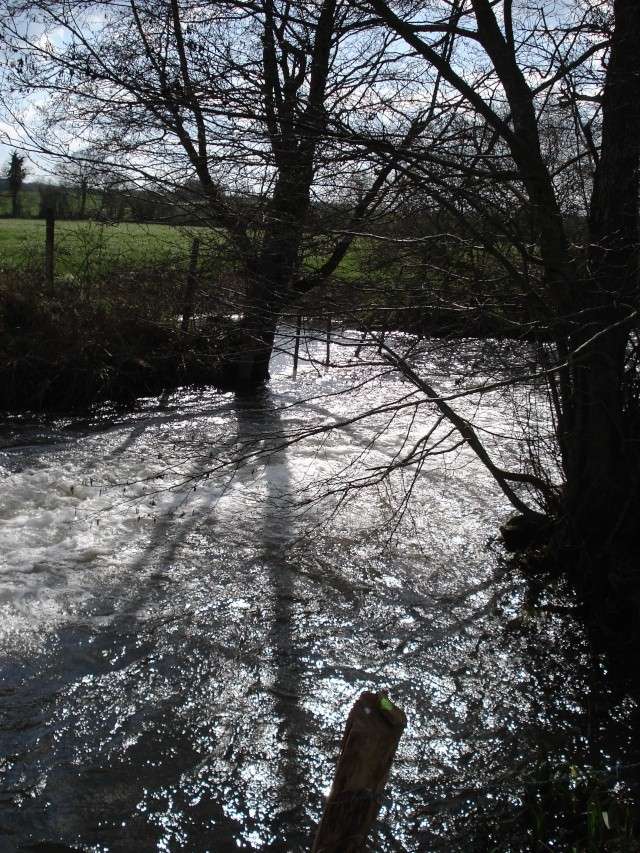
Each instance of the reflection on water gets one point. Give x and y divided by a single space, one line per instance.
182 639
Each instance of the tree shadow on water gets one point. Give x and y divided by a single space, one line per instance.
101 730
283 682
85 732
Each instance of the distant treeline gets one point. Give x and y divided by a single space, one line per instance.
110 203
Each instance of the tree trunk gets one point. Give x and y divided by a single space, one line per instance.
49 248
602 468
269 289
293 139
190 286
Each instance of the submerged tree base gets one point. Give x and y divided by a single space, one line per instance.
523 531
607 587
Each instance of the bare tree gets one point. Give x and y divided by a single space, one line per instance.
569 241
238 96
81 173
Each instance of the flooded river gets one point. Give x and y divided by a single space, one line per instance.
192 595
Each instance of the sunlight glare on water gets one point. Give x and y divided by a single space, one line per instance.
184 627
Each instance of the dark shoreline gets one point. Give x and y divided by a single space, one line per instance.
148 360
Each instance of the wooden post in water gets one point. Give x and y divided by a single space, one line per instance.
49 247
190 285
369 744
296 346
361 344
326 363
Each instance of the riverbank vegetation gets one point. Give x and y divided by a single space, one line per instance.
109 326
114 325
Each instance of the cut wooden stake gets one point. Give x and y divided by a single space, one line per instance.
369 744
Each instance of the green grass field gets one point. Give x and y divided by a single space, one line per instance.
87 249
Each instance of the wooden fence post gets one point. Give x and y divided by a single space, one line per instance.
326 363
190 285
296 347
49 246
369 744
360 344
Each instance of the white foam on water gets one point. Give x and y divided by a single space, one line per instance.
78 517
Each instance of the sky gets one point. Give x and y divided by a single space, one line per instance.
4 154
9 142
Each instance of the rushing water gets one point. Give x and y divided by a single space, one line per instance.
185 625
